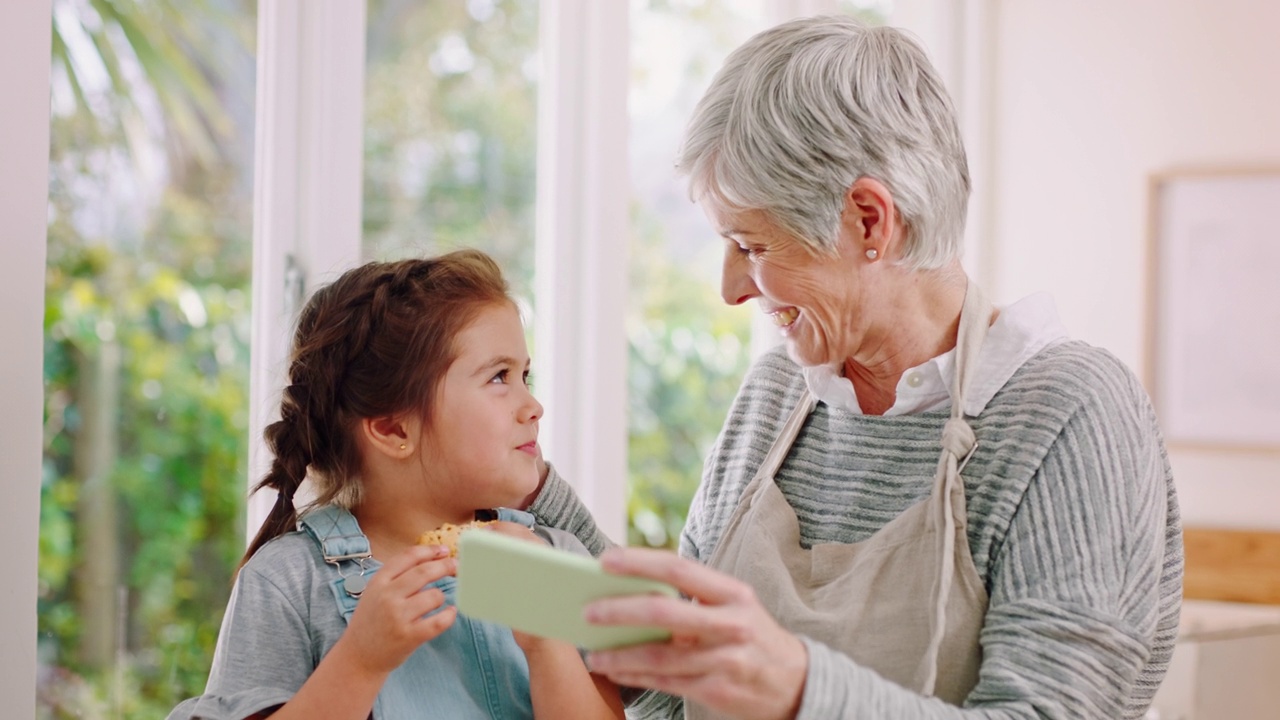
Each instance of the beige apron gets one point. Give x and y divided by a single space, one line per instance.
906 602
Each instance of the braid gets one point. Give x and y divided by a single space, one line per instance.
290 441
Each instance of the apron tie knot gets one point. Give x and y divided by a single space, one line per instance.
958 438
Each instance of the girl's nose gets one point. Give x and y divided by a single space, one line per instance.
531 410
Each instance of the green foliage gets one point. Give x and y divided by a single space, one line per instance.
147 312
181 429
687 353
450 147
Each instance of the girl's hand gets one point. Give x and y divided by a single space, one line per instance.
726 652
391 620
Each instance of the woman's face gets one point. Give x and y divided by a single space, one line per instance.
817 301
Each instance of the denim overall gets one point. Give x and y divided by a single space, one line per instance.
474 669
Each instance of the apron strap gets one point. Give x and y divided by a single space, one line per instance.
786 437
958 444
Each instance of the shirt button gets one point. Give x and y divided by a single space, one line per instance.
915 380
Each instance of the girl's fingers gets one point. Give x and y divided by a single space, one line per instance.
412 579
429 626
415 556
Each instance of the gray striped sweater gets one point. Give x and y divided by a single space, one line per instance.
1073 527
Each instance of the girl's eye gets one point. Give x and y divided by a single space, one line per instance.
501 377
528 379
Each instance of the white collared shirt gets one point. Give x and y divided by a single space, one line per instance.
1022 329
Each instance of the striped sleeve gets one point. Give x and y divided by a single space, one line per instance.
558 506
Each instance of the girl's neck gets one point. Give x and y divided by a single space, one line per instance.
393 527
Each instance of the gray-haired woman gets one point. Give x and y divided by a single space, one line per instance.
925 507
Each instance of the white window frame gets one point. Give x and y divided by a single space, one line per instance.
308 170
25 45
580 272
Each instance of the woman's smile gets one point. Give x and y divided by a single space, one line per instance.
785 317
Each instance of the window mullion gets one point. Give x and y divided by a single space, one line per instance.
307 190
581 259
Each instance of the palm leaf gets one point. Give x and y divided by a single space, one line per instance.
148 44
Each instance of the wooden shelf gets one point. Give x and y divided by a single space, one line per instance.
1232 565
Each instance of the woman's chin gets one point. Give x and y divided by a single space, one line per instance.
805 354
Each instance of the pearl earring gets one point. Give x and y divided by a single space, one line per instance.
403 446
872 254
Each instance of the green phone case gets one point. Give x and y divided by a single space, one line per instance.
542 591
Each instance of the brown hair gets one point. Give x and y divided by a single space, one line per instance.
374 343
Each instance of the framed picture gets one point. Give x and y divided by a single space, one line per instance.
1213 346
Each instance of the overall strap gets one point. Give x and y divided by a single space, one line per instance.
344 546
505 514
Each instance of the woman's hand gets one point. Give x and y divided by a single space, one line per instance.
391 620
725 652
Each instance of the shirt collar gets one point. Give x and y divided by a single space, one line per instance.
1022 329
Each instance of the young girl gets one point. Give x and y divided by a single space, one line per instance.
408 407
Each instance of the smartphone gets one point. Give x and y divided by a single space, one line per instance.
542 590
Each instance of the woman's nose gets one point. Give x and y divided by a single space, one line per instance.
736 285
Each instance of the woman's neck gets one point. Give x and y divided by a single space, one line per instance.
918 324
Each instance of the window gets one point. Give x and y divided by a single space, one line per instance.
146 350
449 151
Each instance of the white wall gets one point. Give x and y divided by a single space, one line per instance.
1090 98
24 166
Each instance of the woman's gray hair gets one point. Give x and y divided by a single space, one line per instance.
802 110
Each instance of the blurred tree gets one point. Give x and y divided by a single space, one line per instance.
687 353
450 137
146 349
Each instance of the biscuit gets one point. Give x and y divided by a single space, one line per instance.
447 535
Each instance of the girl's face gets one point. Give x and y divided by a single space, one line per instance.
481 442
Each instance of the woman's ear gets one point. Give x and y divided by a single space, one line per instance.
394 436
870 218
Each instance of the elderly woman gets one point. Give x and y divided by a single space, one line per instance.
924 507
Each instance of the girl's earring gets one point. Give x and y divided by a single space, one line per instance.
403 446
872 254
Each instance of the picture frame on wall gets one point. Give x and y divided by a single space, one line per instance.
1213 330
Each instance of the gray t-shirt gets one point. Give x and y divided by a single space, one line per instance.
281 620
